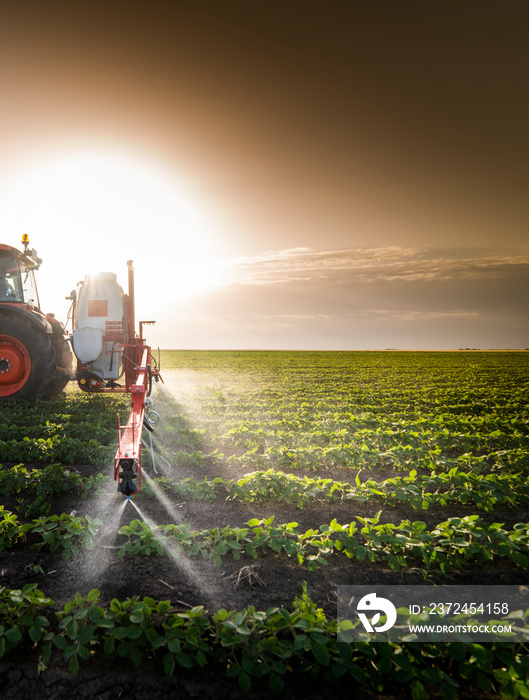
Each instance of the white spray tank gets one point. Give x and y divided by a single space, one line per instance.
100 326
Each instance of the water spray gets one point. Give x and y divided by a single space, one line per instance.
163 500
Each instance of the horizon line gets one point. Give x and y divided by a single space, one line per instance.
344 350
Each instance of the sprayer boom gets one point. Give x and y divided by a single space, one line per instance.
113 359
128 455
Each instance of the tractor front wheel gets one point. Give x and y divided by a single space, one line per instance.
27 359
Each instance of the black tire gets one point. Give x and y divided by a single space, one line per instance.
36 348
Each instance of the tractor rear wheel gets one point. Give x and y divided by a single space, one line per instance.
27 359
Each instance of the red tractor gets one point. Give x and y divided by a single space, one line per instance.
36 358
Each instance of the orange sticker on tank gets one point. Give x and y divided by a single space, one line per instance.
97 307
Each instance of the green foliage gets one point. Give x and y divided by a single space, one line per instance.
440 429
141 539
22 615
63 532
10 530
72 429
66 449
252 646
483 491
186 488
419 491
429 412
451 545
46 482
77 630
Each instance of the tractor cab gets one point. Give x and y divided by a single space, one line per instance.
35 352
17 278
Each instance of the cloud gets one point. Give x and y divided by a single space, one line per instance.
371 266
360 299
383 315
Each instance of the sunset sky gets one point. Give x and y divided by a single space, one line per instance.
284 173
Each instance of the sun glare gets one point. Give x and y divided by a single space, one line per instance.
87 212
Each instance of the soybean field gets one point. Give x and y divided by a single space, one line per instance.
270 479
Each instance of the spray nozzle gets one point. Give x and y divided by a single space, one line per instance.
126 478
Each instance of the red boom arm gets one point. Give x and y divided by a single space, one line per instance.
128 455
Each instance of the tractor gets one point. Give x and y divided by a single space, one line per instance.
36 358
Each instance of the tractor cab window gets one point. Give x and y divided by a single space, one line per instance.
29 288
11 287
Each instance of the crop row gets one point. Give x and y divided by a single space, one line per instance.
257 446
75 414
34 488
250 645
451 544
419 491
57 448
351 445
188 449
72 429
66 533
360 456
